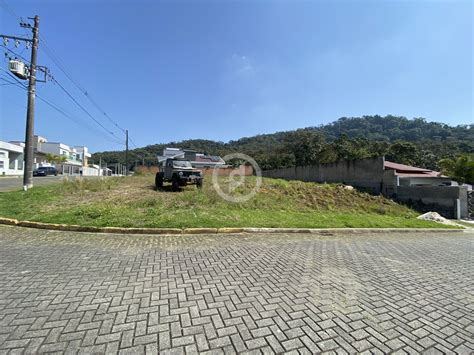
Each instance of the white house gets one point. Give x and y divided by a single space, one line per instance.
198 160
82 154
76 158
11 158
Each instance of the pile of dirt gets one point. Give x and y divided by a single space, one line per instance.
435 217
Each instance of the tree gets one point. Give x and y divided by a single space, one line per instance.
415 142
55 159
460 169
403 153
306 146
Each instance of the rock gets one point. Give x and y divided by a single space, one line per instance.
348 187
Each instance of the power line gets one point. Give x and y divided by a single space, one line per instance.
62 87
8 9
12 13
7 81
14 77
131 141
50 53
16 54
83 108
69 116
59 64
55 107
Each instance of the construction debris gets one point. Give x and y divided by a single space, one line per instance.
435 217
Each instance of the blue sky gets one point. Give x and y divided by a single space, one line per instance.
221 70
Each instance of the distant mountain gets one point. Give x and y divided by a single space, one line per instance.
411 141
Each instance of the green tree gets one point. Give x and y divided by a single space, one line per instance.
415 142
306 146
403 153
55 159
460 169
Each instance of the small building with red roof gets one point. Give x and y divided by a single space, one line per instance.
413 176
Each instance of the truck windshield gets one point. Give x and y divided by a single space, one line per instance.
182 164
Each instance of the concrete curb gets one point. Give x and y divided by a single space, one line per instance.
331 231
167 231
8 221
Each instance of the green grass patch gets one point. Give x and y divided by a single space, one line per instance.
133 202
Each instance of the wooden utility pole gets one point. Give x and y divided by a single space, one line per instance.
126 152
30 113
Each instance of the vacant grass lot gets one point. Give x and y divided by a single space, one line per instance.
133 202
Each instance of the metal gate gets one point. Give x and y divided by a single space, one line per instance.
470 204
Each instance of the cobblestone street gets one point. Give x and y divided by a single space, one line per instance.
306 293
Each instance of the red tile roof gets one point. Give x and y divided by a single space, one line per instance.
403 170
403 167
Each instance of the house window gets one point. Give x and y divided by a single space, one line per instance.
2 164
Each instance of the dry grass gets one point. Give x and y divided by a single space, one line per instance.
134 201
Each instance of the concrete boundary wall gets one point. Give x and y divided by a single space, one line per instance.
362 173
442 199
87 171
369 174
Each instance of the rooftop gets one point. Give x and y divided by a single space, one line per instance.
11 147
403 170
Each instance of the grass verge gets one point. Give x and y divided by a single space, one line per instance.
133 202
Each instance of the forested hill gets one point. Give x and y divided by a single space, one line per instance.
409 141
392 128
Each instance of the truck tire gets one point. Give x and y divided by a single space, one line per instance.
174 183
199 184
159 180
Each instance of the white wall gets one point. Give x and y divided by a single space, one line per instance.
4 162
87 171
433 181
51 148
10 156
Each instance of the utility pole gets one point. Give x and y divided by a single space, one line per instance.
30 112
100 165
126 152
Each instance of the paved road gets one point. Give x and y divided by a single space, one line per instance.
235 293
16 183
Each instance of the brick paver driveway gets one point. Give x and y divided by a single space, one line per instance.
234 293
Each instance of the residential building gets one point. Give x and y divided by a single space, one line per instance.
11 158
71 165
412 176
198 160
82 154
75 158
